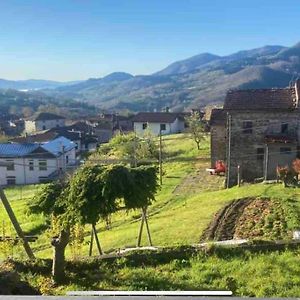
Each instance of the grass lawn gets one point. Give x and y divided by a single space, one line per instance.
245 273
184 206
182 210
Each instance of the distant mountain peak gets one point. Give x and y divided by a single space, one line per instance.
188 65
117 76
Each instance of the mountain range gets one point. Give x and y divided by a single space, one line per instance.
194 82
33 84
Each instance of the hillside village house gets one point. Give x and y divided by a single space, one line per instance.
259 130
84 142
158 122
35 162
43 121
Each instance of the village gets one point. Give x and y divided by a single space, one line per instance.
232 154
255 132
149 149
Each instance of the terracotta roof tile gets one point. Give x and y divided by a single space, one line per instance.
266 99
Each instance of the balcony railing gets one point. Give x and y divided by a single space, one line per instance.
275 136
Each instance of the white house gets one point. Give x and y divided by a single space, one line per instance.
30 163
156 122
44 121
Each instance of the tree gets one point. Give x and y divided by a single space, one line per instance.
27 111
196 127
92 193
130 147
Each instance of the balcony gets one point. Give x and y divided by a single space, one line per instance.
275 136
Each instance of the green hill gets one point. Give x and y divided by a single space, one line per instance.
184 207
186 204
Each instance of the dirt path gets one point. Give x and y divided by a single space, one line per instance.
199 180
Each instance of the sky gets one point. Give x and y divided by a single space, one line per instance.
68 40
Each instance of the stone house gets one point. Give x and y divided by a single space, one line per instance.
43 121
259 130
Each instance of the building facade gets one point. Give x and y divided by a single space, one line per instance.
31 163
44 121
158 122
261 131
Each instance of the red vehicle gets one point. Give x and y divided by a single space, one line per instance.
219 168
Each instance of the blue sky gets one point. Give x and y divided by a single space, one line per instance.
78 39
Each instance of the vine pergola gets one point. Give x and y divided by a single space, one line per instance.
95 192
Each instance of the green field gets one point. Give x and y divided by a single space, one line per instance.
185 204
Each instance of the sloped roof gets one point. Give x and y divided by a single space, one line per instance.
49 149
48 135
56 146
45 116
35 138
17 150
218 116
256 99
155 117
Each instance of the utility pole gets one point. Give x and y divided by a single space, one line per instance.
266 162
14 220
229 149
160 158
239 175
134 152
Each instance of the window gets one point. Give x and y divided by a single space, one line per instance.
162 126
145 125
11 180
43 179
31 165
11 166
42 165
285 150
44 127
67 159
284 127
247 127
260 153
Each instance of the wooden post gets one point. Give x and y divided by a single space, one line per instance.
228 150
239 175
97 240
91 243
160 158
141 231
16 224
144 220
147 226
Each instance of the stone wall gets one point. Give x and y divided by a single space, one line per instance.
244 145
217 143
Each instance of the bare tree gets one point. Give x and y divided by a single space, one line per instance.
196 127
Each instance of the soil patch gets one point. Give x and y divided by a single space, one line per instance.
248 218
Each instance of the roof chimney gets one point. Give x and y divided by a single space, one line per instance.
297 92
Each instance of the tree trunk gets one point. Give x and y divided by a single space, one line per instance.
58 266
198 145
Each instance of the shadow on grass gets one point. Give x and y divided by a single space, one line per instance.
37 229
186 159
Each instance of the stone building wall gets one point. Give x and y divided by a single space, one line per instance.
217 143
244 145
